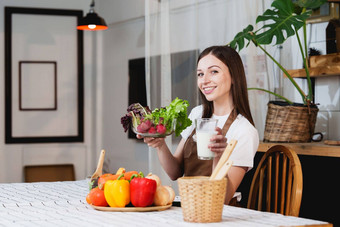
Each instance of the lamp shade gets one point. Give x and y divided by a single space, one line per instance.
92 22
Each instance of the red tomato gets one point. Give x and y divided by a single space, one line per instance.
96 197
88 200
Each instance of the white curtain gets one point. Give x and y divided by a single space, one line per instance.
177 30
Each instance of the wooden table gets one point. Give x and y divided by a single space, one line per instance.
313 148
63 204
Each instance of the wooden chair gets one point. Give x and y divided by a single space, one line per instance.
277 182
38 173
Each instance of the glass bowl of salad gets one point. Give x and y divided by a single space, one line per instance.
159 122
149 128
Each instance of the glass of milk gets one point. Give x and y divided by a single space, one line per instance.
205 129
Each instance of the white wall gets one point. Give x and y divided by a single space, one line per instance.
327 88
125 40
106 55
100 127
14 156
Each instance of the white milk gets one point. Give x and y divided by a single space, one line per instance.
203 140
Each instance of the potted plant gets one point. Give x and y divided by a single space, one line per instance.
286 121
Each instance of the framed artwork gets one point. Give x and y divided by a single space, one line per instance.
37 85
44 85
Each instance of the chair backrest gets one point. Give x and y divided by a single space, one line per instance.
277 182
63 172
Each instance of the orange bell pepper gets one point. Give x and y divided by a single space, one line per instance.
104 178
129 174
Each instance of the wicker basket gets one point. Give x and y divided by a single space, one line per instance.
202 199
289 123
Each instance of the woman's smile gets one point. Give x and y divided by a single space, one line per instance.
208 90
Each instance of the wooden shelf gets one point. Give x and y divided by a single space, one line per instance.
313 148
320 66
321 71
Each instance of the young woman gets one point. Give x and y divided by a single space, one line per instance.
222 84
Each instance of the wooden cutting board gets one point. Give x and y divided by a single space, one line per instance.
132 209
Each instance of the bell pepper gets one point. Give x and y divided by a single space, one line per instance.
106 177
142 191
117 192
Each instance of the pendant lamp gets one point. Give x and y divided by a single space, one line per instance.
92 22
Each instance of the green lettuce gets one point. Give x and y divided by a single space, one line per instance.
176 111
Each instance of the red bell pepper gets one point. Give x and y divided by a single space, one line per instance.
142 191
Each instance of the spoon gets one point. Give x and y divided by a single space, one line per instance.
224 158
99 170
224 170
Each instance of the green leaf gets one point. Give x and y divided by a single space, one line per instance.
177 109
239 39
272 93
280 22
310 4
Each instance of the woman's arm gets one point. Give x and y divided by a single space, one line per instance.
234 179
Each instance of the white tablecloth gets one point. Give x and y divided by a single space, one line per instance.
64 204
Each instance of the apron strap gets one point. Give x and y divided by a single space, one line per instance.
229 121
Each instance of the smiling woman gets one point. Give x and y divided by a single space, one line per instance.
223 88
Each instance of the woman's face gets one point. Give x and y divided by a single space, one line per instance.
214 79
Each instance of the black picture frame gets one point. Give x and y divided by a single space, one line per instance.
21 85
9 137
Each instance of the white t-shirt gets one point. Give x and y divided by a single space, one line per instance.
241 130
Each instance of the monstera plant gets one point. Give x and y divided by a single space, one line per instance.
283 20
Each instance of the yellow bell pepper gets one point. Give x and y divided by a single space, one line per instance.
117 192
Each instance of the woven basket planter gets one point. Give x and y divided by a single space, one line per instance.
289 123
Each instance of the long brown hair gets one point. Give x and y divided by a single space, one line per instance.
239 91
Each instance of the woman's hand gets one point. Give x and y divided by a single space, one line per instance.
153 142
218 143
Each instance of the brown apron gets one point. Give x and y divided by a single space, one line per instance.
194 166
